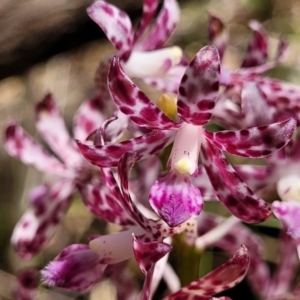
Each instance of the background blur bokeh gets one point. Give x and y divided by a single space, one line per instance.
52 46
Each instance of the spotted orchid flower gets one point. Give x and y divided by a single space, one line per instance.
283 96
174 198
140 51
49 202
113 203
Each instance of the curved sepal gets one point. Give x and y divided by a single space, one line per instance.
163 27
143 146
224 277
116 25
38 223
199 87
256 141
231 190
22 146
257 52
133 102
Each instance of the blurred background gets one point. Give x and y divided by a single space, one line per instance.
52 46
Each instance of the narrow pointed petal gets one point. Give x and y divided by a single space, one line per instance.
149 9
108 156
260 69
113 129
52 128
88 118
286 268
115 247
23 147
133 102
163 27
257 52
104 205
116 25
256 141
259 273
175 199
231 190
169 82
37 225
199 87
217 34
76 268
26 285
224 277
289 214
255 107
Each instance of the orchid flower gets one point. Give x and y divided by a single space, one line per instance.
174 198
113 204
49 202
140 51
283 96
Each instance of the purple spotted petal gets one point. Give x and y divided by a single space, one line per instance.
163 26
88 118
116 25
175 199
284 96
260 69
52 128
133 102
108 156
256 109
199 87
37 225
258 274
26 285
286 267
23 147
257 52
255 141
289 214
149 9
170 81
217 34
231 190
104 205
76 268
224 277
146 255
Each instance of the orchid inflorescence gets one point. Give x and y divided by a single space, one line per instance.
123 181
